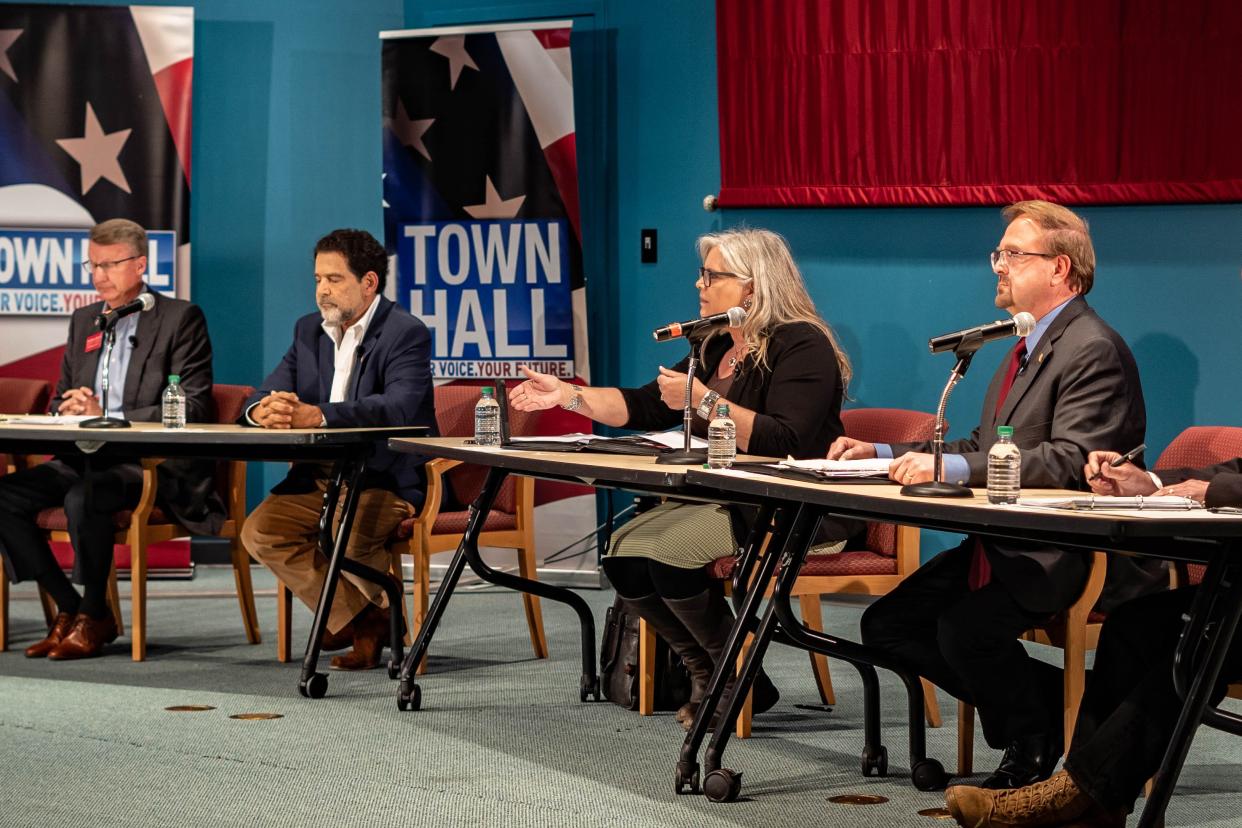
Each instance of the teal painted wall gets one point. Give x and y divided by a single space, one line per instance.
887 279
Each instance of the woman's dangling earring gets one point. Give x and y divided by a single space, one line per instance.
746 303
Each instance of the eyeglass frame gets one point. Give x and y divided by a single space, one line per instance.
1008 256
89 267
706 274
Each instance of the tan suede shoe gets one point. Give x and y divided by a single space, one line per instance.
370 633
1055 801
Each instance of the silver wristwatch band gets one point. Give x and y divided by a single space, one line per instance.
707 405
575 402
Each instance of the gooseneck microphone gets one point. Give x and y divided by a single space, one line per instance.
730 318
108 319
1020 325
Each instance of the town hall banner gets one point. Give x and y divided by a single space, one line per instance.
481 196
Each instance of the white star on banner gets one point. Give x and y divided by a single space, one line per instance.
98 153
493 206
454 48
410 132
7 37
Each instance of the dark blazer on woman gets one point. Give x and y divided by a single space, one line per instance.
796 397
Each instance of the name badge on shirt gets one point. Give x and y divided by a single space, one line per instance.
94 342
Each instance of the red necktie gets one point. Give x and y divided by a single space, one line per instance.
980 569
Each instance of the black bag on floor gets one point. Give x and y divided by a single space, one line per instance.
618 663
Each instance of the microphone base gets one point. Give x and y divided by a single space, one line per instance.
936 489
681 457
104 422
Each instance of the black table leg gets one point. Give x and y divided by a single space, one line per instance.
409 693
1215 616
686 778
313 684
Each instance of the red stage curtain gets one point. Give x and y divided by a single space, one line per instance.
937 102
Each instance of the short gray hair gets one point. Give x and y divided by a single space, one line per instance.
121 231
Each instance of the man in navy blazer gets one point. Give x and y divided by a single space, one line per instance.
360 361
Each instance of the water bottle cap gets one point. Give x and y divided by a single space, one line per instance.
174 379
722 410
489 391
1004 431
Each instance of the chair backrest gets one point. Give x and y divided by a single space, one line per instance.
19 395
887 425
1200 446
455 418
1194 448
228 402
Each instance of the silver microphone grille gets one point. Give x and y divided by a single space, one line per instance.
737 316
148 300
1023 323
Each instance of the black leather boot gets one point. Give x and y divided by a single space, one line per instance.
1027 760
656 612
709 619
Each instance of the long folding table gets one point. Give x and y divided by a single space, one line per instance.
1194 536
347 449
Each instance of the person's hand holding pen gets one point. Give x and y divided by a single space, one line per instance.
1112 473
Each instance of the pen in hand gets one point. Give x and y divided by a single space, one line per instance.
1123 459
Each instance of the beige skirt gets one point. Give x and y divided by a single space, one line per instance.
684 535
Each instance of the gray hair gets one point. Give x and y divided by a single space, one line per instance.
121 231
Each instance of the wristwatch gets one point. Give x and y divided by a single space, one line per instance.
707 405
575 402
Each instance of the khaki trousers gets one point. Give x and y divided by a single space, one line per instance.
283 535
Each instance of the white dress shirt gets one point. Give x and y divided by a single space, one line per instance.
347 342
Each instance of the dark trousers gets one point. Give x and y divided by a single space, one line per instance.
1130 708
27 555
966 642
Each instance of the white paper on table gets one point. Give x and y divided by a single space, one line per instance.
49 419
1096 503
876 467
673 439
577 437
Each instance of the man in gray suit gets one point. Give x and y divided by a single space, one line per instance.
170 338
1068 387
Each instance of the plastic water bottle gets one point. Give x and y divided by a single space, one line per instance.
1004 468
487 419
721 439
173 413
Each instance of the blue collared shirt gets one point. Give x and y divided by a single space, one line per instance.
118 367
956 469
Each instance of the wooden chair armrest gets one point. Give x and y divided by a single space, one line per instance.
150 483
435 470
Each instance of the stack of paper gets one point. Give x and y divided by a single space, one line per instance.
1091 502
840 469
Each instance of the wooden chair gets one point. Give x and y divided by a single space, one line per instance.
1194 448
19 396
146 524
510 524
891 553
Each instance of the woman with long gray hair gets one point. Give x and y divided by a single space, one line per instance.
784 376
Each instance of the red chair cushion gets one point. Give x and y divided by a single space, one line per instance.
454 523
841 564
55 520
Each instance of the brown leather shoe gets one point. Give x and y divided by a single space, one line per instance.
370 633
85 639
338 640
1054 801
60 628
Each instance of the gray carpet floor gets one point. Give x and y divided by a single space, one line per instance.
501 738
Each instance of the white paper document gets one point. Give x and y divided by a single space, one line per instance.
577 437
48 419
673 439
1097 503
877 467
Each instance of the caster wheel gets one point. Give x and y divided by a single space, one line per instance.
588 686
928 775
315 687
394 669
722 785
875 762
687 779
409 698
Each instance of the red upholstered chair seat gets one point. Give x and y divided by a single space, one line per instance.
861 562
454 523
55 520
